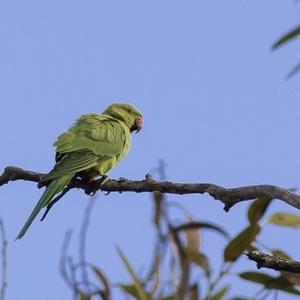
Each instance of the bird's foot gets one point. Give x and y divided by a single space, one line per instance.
93 184
90 183
104 179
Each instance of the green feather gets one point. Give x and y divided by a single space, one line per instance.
72 163
93 145
54 188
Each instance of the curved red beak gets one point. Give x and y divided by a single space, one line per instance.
138 124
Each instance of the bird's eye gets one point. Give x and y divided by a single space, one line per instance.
129 110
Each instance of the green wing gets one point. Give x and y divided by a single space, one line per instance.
92 139
101 134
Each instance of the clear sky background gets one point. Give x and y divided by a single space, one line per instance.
214 99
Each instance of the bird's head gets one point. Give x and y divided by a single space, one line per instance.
127 113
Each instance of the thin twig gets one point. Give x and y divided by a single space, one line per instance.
66 261
4 261
82 243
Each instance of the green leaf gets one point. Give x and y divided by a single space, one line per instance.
285 219
289 289
282 284
257 209
293 278
142 295
130 289
195 225
287 37
241 242
220 293
199 259
276 283
257 277
83 296
192 237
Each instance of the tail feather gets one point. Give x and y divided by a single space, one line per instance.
54 188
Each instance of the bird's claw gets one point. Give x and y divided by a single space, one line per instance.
104 179
90 191
148 177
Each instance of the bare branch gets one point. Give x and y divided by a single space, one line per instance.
273 262
66 262
14 173
229 196
82 244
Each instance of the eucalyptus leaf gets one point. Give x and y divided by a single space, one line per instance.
241 242
276 283
192 237
220 293
257 277
83 296
199 259
285 219
142 295
130 289
293 278
257 209
287 37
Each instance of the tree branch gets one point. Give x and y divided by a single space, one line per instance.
273 262
229 196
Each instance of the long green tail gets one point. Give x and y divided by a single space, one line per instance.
54 188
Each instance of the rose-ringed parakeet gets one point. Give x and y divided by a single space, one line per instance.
90 148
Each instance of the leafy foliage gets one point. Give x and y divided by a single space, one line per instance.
285 219
285 38
257 209
241 243
180 268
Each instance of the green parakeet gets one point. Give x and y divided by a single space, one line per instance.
90 148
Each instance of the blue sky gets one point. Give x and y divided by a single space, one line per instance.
215 104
